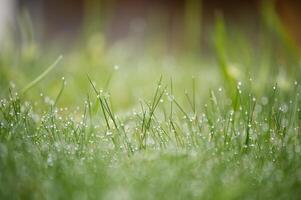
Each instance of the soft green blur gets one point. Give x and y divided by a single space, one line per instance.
232 56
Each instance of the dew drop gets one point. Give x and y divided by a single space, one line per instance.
116 67
109 133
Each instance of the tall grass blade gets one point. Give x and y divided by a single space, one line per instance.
39 78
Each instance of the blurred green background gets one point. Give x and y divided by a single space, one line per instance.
126 45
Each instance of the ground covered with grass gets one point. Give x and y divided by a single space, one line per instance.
248 147
116 123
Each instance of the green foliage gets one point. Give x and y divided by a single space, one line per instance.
232 131
213 152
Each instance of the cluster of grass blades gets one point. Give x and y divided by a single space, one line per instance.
234 142
62 150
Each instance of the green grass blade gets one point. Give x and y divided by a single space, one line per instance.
39 78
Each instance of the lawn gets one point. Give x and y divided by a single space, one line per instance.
98 122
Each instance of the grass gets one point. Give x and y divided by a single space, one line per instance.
157 127
161 151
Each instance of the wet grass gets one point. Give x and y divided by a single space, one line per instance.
162 150
158 127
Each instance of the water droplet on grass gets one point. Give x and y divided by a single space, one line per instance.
171 98
116 67
109 133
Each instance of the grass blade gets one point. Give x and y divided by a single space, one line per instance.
39 78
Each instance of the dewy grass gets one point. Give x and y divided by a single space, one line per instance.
213 152
232 132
